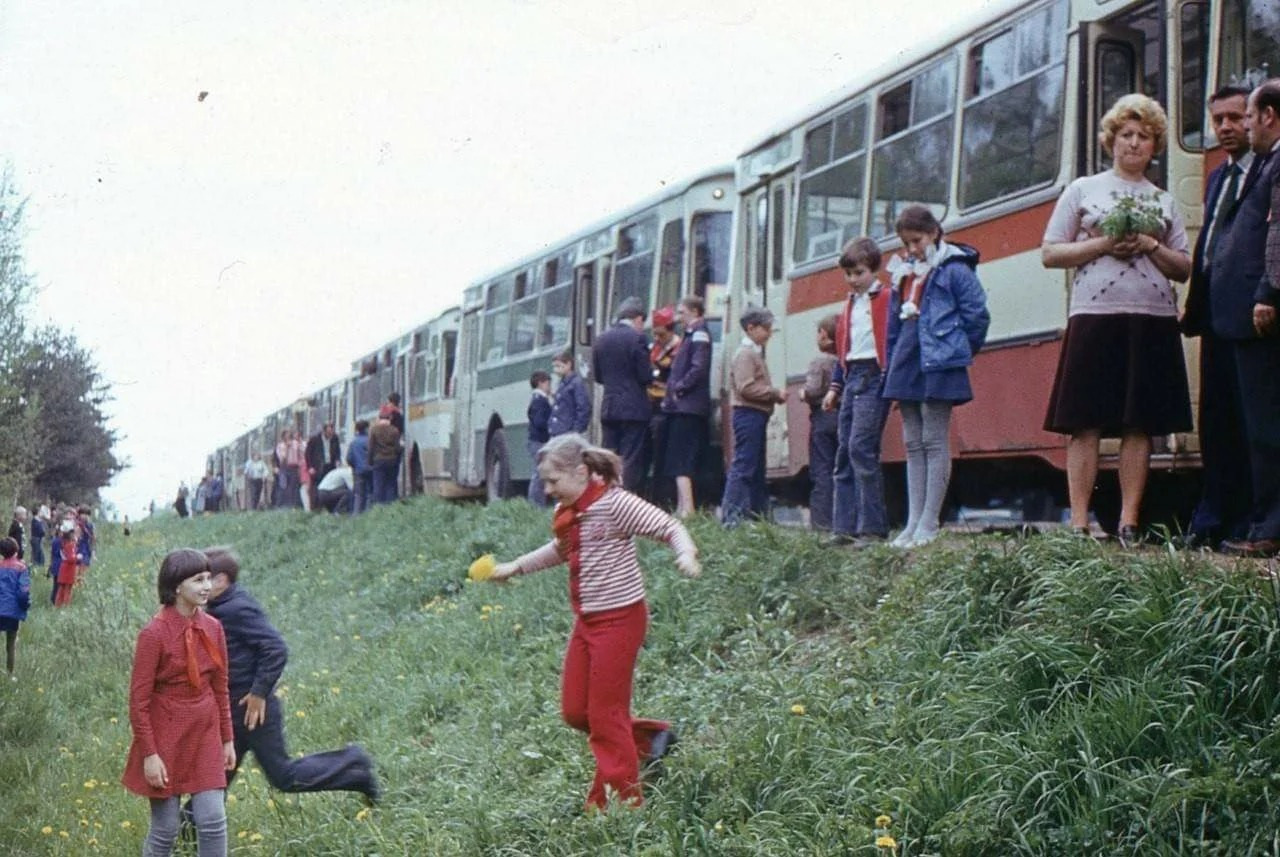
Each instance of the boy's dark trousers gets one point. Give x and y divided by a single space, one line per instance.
348 769
823 440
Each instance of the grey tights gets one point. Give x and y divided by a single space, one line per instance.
925 427
209 812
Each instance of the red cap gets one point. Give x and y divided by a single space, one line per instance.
386 412
664 317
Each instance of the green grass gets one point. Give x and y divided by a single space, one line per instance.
994 695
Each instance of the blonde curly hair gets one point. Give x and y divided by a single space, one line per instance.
1139 108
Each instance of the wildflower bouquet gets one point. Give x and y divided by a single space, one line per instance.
1133 214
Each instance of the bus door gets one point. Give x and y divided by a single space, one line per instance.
1122 54
768 286
591 288
465 467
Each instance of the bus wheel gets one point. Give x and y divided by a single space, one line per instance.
497 469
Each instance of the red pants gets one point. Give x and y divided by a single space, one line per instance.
596 698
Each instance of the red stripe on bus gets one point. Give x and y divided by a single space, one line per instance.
1005 236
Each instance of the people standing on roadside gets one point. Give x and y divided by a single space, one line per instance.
15 599
216 493
745 490
938 322
17 529
1245 311
620 362
687 403
87 541
823 427
595 525
860 516
180 504
539 415
323 453
1121 371
255 475
257 656
202 495
384 457
662 355
1222 512
64 562
180 711
288 477
361 469
39 530
571 408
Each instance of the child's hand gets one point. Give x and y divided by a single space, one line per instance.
503 571
154 771
830 400
229 755
688 564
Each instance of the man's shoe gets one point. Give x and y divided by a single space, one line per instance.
840 540
1258 548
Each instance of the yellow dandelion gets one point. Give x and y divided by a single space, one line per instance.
487 608
255 837
90 784
355 636
482 568
362 814
64 834
797 710
300 713
242 834
46 830
271 804
231 799
126 824
719 827
517 627
484 617
883 821
886 842
114 720
335 690
93 840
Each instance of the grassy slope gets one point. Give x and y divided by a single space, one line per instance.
996 696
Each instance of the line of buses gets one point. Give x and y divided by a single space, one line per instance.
985 126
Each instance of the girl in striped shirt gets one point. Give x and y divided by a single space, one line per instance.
594 526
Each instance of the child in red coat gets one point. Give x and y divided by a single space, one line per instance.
180 710
68 564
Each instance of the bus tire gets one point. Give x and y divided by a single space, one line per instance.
497 469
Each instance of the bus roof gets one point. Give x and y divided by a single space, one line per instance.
905 60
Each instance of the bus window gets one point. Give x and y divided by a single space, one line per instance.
449 346
712 235
911 162
670 268
1250 48
834 162
557 302
420 368
633 272
523 333
1193 36
1012 133
779 230
497 320
585 305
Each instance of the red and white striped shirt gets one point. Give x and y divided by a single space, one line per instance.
609 575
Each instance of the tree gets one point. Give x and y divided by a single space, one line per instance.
74 445
18 420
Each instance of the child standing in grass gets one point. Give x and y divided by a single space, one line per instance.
594 525
15 598
180 710
745 488
66 559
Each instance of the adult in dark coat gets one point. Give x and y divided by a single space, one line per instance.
1242 304
257 655
687 403
323 453
620 361
1223 510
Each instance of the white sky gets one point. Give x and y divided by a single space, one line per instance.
355 165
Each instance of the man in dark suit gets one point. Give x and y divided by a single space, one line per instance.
1225 501
323 454
1243 301
620 361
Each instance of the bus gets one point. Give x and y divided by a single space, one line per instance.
986 127
512 322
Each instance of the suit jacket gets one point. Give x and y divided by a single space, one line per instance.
1239 268
318 458
620 361
1196 315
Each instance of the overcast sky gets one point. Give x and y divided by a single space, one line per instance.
355 164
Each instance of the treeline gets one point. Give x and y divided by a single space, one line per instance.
54 439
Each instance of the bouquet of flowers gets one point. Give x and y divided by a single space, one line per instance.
1132 215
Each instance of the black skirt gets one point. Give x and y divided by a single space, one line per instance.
1119 374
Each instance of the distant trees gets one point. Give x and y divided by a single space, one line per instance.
54 440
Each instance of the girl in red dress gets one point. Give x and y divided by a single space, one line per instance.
180 711
68 563
595 524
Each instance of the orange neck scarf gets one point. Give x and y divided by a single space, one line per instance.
566 524
189 636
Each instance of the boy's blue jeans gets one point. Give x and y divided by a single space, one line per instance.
859 482
745 489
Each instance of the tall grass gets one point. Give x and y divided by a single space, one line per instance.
994 695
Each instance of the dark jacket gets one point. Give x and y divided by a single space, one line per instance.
322 456
384 443
539 414
255 649
1195 317
689 385
1239 268
18 534
953 313
620 361
572 408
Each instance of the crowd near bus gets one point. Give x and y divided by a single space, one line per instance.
988 138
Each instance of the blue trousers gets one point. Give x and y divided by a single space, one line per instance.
362 496
859 481
823 442
627 438
384 481
348 769
745 489
537 491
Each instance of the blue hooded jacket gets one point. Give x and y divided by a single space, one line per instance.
953 316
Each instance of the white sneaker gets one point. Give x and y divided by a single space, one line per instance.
923 538
904 539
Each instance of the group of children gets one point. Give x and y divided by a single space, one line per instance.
569 410
910 344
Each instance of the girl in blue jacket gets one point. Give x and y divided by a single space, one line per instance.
938 321
15 598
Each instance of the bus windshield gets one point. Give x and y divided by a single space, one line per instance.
1250 42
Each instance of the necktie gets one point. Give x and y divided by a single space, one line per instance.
1225 202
